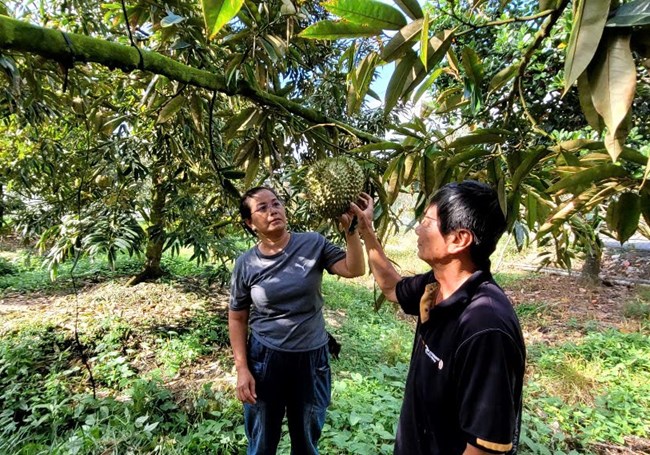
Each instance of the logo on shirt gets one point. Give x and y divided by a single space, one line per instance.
431 355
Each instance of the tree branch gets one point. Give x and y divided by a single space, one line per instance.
541 34
52 44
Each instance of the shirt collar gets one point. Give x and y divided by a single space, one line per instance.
464 293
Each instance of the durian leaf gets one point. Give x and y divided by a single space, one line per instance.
245 152
612 77
402 41
531 158
437 48
252 168
170 109
623 216
503 77
586 178
588 24
483 136
331 30
360 81
393 176
424 40
467 156
531 211
472 65
384 145
238 122
632 14
427 174
218 13
644 202
411 166
426 85
401 76
367 12
586 103
412 8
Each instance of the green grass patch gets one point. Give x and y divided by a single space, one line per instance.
595 388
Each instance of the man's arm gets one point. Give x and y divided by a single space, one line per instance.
238 329
381 268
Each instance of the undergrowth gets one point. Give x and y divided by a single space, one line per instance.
140 341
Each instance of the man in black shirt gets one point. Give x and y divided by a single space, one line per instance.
464 386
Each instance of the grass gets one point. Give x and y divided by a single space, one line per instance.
162 367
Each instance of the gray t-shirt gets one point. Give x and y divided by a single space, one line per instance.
283 291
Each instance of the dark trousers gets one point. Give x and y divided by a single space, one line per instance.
296 382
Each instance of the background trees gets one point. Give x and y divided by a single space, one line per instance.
216 97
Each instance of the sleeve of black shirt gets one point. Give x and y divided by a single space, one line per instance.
409 292
486 375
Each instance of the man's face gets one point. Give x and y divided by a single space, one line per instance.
432 245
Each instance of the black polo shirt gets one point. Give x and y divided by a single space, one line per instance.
465 379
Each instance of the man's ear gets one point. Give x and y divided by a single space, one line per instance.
461 241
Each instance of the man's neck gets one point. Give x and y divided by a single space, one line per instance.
452 275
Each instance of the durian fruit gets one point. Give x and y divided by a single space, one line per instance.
332 183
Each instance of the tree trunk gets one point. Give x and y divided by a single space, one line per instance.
2 208
591 268
155 237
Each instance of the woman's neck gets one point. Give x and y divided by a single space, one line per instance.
273 244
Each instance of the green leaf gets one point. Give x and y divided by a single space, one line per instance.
644 203
503 77
472 65
424 42
385 145
438 46
218 13
612 78
331 30
368 12
588 25
399 43
238 122
412 8
402 75
488 136
586 103
633 14
425 86
591 176
360 80
623 216
170 109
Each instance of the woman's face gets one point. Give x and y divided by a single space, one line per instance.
267 213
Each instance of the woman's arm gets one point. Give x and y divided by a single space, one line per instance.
353 265
238 329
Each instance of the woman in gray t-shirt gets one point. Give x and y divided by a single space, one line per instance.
283 365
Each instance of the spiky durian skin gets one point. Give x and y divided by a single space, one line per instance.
333 183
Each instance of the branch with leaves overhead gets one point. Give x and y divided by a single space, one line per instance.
69 48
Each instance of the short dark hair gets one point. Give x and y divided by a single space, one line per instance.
473 206
245 208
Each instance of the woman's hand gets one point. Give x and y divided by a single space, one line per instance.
246 386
